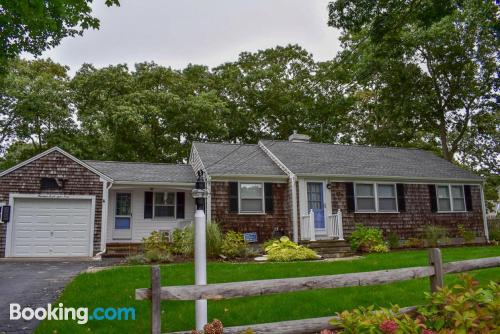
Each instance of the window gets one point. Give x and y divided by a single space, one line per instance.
123 201
164 205
450 198
251 198
373 197
386 194
365 197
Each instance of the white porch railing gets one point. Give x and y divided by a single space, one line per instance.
334 228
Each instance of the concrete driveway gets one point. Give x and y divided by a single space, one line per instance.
33 284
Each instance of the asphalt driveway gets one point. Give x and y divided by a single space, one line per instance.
33 284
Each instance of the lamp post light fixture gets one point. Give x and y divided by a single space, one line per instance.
200 247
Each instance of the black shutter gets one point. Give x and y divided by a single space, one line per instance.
180 205
432 194
148 204
268 194
400 188
349 193
233 196
468 198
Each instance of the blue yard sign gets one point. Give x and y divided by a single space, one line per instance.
250 237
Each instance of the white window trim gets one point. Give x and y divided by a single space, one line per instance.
449 185
375 197
154 206
263 200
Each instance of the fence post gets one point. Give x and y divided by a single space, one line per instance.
435 260
155 300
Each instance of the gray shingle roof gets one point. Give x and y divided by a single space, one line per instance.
353 160
144 172
236 159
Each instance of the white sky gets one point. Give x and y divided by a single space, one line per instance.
210 32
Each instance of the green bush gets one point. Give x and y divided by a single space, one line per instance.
434 234
414 243
465 234
380 249
268 243
136 259
494 229
155 241
366 238
157 256
464 308
285 250
234 245
393 240
183 240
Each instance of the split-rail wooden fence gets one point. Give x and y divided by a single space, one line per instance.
435 271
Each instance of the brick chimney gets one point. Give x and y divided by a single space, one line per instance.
298 138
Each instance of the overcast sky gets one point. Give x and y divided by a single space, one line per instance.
210 32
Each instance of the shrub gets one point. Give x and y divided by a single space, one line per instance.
214 239
268 243
136 259
155 241
234 245
157 256
464 308
366 238
393 240
434 234
414 243
183 240
467 235
380 249
494 230
285 250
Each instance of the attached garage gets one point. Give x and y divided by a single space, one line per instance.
51 227
56 207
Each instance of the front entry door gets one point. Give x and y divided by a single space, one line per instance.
315 202
123 216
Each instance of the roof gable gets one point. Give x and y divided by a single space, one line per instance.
224 159
63 152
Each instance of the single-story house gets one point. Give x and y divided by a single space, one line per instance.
63 206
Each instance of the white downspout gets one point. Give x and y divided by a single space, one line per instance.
295 225
485 219
104 213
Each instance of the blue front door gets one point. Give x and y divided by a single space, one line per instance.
316 203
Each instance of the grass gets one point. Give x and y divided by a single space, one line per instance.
115 288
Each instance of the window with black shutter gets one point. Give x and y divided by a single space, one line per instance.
233 196
433 198
400 188
180 205
468 197
349 192
268 194
148 204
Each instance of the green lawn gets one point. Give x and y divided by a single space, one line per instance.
116 287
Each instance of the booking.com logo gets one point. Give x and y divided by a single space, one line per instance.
81 314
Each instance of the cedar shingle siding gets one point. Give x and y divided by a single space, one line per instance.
263 224
78 181
418 214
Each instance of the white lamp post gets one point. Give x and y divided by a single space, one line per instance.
200 249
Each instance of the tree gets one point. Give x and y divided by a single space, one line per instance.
431 67
35 105
270 93
36 25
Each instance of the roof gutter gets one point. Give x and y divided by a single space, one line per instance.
389 178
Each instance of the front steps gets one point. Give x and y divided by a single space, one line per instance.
117 249
330 248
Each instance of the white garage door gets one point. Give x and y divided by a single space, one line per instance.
51 227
